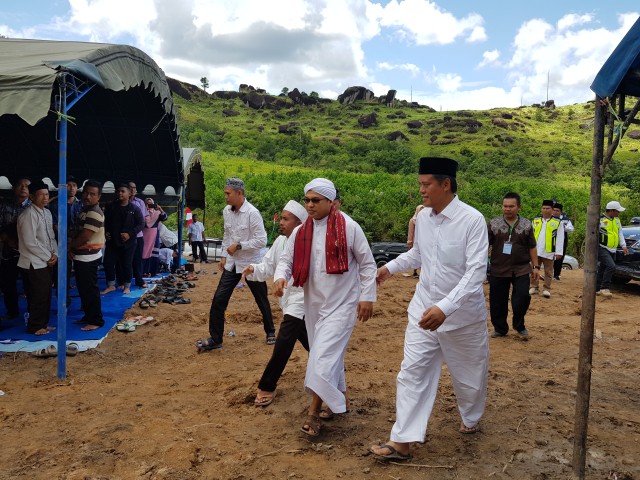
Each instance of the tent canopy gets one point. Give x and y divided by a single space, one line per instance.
620 74
123 126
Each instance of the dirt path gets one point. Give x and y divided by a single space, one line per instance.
145 405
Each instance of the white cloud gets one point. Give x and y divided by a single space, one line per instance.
490 58
413 69
445 82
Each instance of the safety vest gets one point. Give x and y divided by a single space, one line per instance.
551 232
609 231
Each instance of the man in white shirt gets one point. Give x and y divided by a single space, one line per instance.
447 315
330 257
244 242
38 254
549 233
568 228
195 236
292 328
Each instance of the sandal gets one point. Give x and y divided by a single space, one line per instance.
264 399
313 426
271 339
326 414
144 303
126 327
204 345
181 301
50 351
72 349
469 430
392 455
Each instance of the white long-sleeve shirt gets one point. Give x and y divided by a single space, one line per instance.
36 239
451 249
243 226
292 301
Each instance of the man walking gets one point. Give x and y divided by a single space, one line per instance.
243 243
513 253
549 233
195 236
292 328
611 237
329 257
85 248
568 228
447 315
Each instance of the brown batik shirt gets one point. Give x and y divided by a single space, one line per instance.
522 241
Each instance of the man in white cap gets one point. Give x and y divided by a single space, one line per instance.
244 242
611 237
292 328
448 313
330 258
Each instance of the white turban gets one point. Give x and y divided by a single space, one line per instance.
296 209
322 186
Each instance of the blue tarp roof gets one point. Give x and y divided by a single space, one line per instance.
620 74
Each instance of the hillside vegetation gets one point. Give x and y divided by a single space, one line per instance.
537 151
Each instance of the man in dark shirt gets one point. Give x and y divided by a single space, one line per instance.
513 252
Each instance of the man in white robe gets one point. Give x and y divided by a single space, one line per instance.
338 290
292 328
447 315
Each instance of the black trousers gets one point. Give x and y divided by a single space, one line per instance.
117 262
38 292
195 245
137 262
557 264
228 282
9 285
291 329
606 267
87 283
499 302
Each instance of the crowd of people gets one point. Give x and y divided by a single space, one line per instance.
326 279
122 236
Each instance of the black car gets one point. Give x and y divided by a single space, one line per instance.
628 266
384 252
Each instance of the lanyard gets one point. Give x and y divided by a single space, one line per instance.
511 227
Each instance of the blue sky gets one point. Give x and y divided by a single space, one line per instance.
449 55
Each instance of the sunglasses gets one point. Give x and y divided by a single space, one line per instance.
315 200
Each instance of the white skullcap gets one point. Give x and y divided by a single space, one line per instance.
296 209
322 186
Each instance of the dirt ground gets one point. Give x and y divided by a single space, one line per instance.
146 405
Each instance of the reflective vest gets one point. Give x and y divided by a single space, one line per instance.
609 231
551 232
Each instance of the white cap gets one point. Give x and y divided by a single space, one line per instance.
296 209
615 206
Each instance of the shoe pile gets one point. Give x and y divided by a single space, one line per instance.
169 289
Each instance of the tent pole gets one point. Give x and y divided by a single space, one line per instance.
62 230
589 297
180 220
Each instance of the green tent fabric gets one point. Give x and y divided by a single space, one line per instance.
123 128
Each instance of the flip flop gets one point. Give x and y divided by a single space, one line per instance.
144 303
393 454
204 345
72 349
271 339
326 414
265 401
50 351
126 327
314 427
469 430
181 301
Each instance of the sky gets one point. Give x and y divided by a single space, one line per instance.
447 54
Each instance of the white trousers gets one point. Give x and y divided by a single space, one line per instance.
466 352
328 340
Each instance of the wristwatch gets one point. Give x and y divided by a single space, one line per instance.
239 247
537 267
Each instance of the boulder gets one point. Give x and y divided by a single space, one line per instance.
366 121
295 96
414 124
288 129
499 122
253 100
506 115
246 88
352 94
230 113
634 134
396 136
550 104
389 98
226 95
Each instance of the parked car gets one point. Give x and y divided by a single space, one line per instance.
384 252
628 266
570 263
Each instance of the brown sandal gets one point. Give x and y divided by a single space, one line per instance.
313 426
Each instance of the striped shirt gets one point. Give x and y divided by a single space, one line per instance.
90 218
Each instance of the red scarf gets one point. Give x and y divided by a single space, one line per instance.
337 259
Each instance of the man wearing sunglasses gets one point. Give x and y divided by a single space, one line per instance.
328 255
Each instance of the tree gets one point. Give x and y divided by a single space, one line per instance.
205 83
314 94
285 90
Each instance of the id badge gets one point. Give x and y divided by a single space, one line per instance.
506 249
